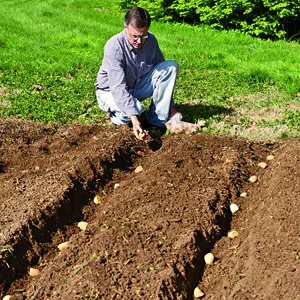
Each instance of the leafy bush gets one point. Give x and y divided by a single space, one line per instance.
159 9
261 18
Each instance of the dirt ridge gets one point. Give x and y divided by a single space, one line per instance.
148 236
25 244
179 263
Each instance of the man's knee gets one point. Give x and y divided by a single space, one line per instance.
168 65
172 65
119 118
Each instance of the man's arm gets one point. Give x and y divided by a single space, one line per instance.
114 69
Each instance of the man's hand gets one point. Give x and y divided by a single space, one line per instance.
136 126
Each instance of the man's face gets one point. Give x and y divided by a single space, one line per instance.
136 36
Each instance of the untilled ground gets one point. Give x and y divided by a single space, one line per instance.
148 235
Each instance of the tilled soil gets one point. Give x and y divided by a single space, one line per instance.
148 235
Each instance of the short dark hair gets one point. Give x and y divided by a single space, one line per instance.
138 16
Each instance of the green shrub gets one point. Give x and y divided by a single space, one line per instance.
159 9
273 19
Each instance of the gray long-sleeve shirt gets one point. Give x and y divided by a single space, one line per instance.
123 67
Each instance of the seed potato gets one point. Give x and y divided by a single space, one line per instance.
262 165
63 246
209 258
82 225
139 169
244 195
34 272
234 208
198 293
253 179
97 199
232 234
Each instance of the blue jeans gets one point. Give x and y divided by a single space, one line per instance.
159 84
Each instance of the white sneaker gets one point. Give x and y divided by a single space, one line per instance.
176 117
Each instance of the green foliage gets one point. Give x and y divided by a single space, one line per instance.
158 9
57 45
261 18
125 5
50 53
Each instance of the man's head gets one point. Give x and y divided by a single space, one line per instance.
136 23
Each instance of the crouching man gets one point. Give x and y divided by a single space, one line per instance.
134 69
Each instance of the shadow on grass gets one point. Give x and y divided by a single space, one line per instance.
193 112
190 113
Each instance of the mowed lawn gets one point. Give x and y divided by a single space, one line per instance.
50 53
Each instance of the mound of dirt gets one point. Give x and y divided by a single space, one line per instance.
264 261
148 235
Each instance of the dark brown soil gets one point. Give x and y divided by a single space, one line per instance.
147 238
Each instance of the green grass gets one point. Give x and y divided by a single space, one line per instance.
238 84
